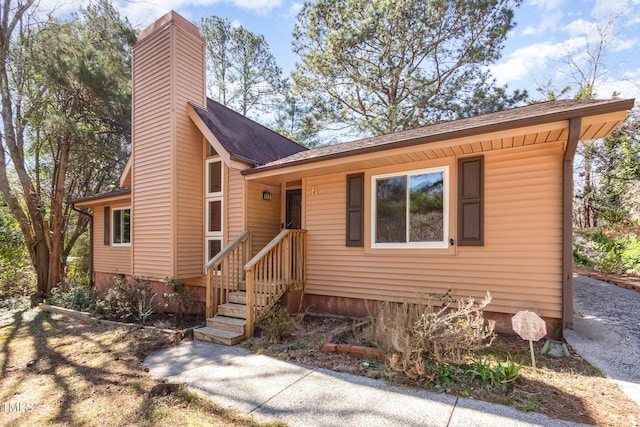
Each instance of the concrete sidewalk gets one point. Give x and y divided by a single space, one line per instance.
273 390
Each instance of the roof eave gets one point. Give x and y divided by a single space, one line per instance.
583 111
121 194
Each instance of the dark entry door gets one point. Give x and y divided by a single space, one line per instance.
294 209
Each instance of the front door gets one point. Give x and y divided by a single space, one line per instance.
294 209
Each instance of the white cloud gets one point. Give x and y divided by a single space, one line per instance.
604 9
294 10
628 44
256 5
145 12
548 5
526 61
625 88
581 27
550 23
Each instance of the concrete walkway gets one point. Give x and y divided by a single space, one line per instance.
273 390
606 331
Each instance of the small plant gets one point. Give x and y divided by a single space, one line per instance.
492 373
74 295
277 324
126 301
444 376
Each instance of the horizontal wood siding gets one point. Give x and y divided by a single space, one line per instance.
263 217
152 192
189 167
107 258
234 201
519 264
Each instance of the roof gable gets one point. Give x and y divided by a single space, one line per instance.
245 140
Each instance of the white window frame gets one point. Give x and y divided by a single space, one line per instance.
444 243
206 189
113 225
213 197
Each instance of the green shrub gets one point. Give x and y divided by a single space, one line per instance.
126 302
75 295
182 300
610 262
17 276
580 258
277 324
631 254
612 254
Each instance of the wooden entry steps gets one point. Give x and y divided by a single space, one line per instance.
232 275
228 326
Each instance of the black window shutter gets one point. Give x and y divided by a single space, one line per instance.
471 201
355 210
107 224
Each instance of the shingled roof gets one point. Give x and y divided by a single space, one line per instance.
517 117
244 139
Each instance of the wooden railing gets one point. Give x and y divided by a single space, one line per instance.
276 266
225 271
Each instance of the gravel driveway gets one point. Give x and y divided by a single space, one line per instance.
607 331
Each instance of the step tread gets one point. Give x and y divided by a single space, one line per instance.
234 306
206 330
228 320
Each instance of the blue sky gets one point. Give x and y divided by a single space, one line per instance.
546 32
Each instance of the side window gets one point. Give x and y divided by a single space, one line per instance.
121 226
410 209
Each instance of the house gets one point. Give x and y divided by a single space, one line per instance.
245 216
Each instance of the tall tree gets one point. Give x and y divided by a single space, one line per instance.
585 68
66 102
244 72
389 66
617 166
297 119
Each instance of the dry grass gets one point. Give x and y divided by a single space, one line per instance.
74 373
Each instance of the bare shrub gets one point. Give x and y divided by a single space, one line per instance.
419 337
277 324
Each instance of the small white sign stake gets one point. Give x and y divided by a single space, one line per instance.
529 326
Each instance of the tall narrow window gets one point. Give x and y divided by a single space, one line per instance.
410 209
122 226
214 197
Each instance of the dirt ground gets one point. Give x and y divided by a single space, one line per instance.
567 388
57 370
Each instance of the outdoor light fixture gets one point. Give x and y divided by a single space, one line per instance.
266 195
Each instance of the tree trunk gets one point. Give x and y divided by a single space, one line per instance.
40 258
57 223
